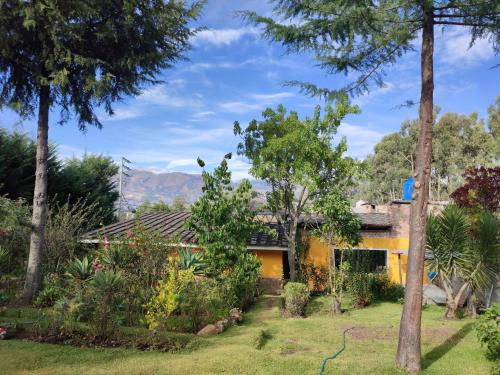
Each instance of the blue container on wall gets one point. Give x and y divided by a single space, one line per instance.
408 189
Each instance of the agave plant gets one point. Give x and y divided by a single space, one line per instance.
79 269
463 251
107 284
189 259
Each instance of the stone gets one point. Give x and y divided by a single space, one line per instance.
223 324
208 330
434 294
236 315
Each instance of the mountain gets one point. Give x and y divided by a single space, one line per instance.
144 186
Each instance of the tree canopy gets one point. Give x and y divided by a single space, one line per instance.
297 159
460 141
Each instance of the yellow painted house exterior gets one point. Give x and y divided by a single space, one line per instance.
385 230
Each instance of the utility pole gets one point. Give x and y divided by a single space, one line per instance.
123 167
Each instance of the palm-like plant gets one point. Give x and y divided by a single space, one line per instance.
79 269
189 259
461 251
107 284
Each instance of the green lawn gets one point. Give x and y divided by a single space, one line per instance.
296 346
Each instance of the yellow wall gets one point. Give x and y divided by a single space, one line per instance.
318 253
272 264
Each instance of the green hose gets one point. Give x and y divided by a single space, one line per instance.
334 355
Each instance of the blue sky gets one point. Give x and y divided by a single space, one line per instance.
234 74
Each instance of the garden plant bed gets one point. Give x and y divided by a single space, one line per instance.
293 346
83 340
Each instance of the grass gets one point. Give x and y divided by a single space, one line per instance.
291 346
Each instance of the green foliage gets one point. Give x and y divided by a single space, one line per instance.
463 248
47 297
184 294
262 338
129 45
17 166
14 232
296 158
361 39
296 297
386 290
148 207
66 222
224 221
488 334
90 182
459 142
4 259
191 259
106 287
360 287
80 270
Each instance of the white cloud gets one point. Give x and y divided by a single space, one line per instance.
259 102
456 51
223 37
272 97
239 107
201 116
176 163
124 114
161 95
360 140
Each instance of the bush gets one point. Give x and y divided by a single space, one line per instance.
296 297
386 290
106 287
488 334
47 297
185 297
360 287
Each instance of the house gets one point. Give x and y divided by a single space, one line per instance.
384 233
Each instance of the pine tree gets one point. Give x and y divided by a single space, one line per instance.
362 38
80 55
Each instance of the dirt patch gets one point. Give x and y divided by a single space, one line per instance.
272 302
88 341
391 333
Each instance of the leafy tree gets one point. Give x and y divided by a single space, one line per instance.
362 38
18 163
463 249
460 142
179 203
81 55
90 180
481 189
494 125
148 207
339 227
223 220
295 157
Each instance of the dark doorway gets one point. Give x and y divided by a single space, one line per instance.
286 266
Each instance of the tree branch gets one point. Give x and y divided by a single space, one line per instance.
464 24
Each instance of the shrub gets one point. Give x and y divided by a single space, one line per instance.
184 294
386 290
189 259
261 339
243 281
296 297
488 333
360 287
80 270
106 287
47 297
315 276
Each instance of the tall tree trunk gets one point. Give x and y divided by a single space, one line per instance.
292 244
33 281
409 350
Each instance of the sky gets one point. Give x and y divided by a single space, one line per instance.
234 74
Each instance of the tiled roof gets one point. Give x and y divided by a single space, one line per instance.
171 225
371 220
